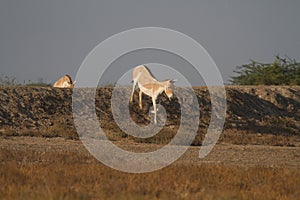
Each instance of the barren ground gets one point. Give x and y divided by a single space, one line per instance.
227 154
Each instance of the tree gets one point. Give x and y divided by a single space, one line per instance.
283 71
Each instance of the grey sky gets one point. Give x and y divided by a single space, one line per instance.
47 39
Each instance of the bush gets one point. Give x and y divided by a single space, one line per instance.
11 81
282 71
8 81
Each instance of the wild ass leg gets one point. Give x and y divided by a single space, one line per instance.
140 99
133 87
154 107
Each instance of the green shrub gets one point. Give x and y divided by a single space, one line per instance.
282 71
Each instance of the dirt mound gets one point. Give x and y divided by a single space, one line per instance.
262 109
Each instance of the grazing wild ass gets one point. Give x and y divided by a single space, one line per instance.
64 82
150 86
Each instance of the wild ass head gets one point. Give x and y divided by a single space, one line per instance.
64 82
169 86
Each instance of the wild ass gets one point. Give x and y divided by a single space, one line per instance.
147 84
64 82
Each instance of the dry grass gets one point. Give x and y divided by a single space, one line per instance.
95 181
71 173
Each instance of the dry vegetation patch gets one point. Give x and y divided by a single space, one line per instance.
56 168
95 181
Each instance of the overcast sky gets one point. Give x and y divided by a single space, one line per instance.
49 38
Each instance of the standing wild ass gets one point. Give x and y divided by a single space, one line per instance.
150 86
64 82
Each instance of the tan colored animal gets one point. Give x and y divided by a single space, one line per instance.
64 82
142 76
